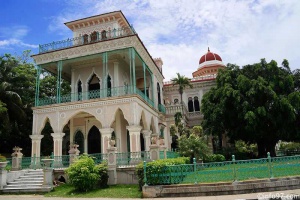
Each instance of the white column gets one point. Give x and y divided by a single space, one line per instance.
36 145
134 133
73 83
105 136
57 143
57 148
146 135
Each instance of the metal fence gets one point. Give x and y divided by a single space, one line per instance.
126 159
229 171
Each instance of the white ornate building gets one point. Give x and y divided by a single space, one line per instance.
116 89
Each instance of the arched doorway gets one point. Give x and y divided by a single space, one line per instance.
196 104
94 141
158 94
94 87
191 104
79 139
108 86
79 90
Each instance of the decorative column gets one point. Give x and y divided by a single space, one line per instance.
154 147
57 148
16 159
35 149
112 165
134 134
105 136
37 86
133 69
104 73
73 83
145 82
146 135
58 83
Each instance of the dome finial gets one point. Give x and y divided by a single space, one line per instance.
208 49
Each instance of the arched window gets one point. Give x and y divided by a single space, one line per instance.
79 139
190 104
94 36
176 101
103 35
196 104
85 38
108 86
94 87
79 90
158 94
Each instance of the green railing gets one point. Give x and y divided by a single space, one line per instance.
172 154
98 157
88 39
94 94
228 171
60 161
132 158
161 108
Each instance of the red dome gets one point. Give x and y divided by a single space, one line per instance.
209 56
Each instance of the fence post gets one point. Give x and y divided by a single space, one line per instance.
194 163
145 175
270 165
234 170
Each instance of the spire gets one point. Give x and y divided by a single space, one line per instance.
208 49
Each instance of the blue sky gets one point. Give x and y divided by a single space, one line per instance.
178 31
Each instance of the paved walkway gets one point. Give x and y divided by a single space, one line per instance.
284 195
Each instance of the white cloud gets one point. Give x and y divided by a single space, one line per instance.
14 36
241 32
15 42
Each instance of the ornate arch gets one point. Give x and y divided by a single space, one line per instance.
91 75
112 119
42 122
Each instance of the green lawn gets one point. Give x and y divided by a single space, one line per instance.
116 191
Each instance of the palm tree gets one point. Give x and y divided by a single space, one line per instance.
182 82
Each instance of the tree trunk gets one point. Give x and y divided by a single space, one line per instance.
265 146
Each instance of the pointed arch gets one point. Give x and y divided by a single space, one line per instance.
143 121
79 90
43 121
196 104
79 139
190 104
94 140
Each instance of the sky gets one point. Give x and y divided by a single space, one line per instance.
178 31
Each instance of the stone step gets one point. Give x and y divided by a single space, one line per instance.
24 186
24 182
29 179
28 190
32 176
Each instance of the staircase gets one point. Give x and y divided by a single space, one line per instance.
31 182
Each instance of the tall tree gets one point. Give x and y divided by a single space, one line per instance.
182 83
256 103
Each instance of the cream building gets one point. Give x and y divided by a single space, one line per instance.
117 89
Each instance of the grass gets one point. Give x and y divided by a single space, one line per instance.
116 191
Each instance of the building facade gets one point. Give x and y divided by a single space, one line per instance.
117 89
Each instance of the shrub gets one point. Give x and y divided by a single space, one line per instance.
103 175
214 158
2 158
83 173
157 167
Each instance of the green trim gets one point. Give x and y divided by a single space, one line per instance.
37 85
58 83
133 68
145 86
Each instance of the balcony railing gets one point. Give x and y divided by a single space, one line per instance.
94 94
87 39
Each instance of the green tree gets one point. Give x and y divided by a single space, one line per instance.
182 83
193 146
257 103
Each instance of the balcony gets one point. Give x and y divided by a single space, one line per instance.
87 39
94 94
